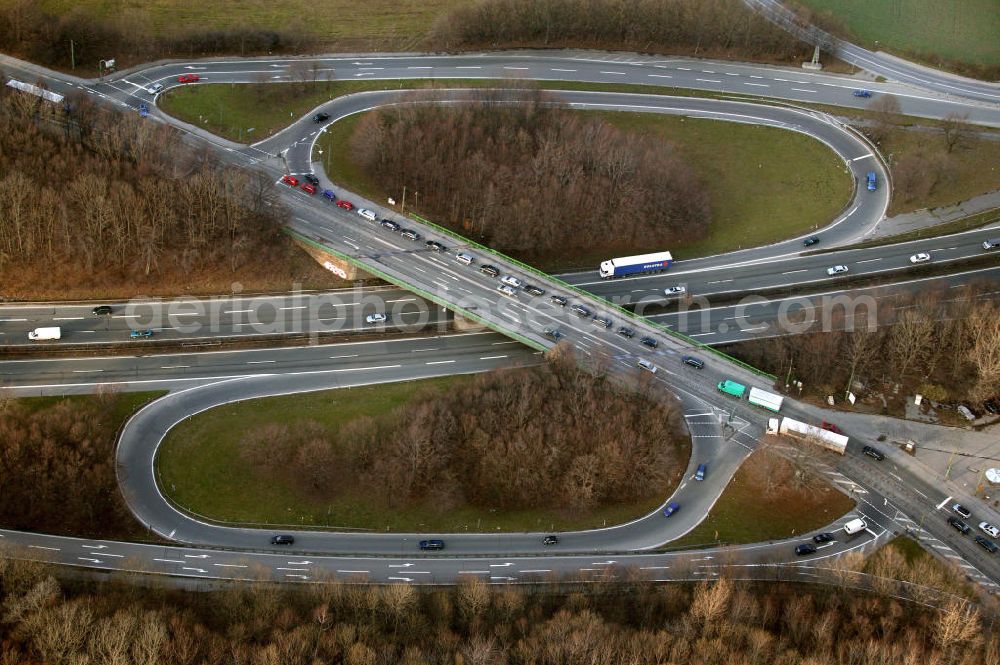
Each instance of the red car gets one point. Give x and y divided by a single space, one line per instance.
290 180
188 78
346 205
830 427
308 188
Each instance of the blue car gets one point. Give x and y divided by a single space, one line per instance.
862 93
136 334
432 544
700 473
328 194
671 508
872 182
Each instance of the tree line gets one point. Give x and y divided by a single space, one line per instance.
941 342
57 467
29 29
719 622
532 179
552 436
88 195
698 27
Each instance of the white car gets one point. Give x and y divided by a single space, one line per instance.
646 365
467 259
836 270
986 527
920 258
155 88
377 317
367 214
674 291
507 290
511 281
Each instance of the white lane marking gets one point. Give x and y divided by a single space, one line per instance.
194 570
298 307
260 362
296 569
536 570
708 80
420 68
615 73
492 357
869 260
43 547
943 503
237 311
175 367
468 67
759 85
802 90
515 67
660 76
230 565
473 572
440 362
792 272
563 70
67 318
168 560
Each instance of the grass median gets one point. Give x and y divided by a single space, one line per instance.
200 469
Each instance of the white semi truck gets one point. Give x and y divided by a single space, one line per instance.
42 334
821 437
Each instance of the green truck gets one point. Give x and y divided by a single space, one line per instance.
732 388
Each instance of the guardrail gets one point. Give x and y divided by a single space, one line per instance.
569 287
420 292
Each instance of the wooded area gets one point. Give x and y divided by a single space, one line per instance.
90 196
718 623
531 179
57 467
943 343
551 436
705 28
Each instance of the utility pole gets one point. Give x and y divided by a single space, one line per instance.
402 208
72 55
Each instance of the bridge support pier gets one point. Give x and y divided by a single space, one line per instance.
335 264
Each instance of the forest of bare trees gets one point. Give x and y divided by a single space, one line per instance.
57 467
713 623
697 27
941 342
89 196
552 436
532 180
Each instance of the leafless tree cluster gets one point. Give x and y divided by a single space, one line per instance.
533 180
28 29
57 468
553 436
85 192
476 624
718 27
944 343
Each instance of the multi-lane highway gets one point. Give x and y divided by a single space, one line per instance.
438 278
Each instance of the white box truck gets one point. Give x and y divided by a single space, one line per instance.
821 437
764 399
855 526
42 334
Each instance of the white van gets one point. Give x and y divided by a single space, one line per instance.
367 214
991 243
855 526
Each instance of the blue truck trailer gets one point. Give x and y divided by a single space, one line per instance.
633 265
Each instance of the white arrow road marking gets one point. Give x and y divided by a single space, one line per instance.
536 570
83 558
504 579
603 563
168 560
400 565
301 577
654 567
229 565
501 565
193 67
401 579
473 572
95 547
299 563
196 570
299 569
196 556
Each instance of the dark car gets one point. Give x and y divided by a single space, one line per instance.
321 117
389 224
959 524
810 241
329 194
697 363
873 453
487 269
821 538
700 473
101 310
559 300
554 333
671 508
436 246
550 540
805 548
987 544
410 233
282 540
830 427
533 290
863 93
433 544
650 342
311 178
625 331
992 405
603 320
580 310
